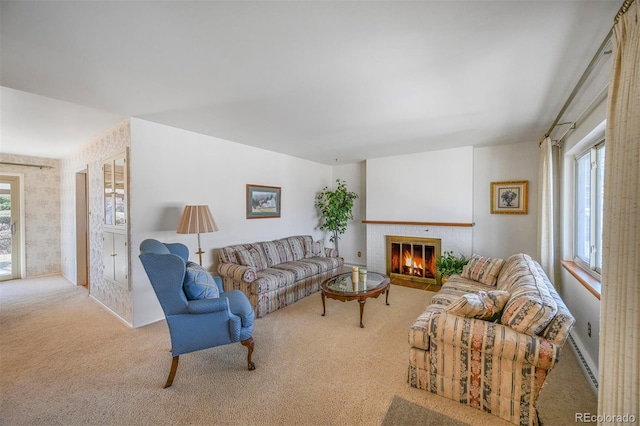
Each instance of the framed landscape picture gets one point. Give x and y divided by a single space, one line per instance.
509 197
263 201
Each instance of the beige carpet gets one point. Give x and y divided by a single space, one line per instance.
65 360
402 412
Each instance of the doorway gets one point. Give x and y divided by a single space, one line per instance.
82 230
10 228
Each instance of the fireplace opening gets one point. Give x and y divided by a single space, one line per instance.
412 258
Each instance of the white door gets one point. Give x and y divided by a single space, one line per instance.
10 227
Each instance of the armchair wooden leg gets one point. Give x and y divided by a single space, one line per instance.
172 373
249 344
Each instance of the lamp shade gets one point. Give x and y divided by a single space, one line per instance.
196 220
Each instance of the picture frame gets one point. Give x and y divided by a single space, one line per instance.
263 201
509 197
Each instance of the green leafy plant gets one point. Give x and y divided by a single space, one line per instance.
5 202
335 210
448 264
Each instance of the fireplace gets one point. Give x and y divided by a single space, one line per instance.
412 258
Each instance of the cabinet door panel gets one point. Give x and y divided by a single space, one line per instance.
121 263
107 255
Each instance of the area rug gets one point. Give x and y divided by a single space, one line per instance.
403 412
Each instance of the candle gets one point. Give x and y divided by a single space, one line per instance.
355 275
363 278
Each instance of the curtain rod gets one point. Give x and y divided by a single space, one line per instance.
27 165
623 10
598 98
601 51
585 75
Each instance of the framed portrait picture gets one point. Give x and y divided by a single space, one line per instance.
509 197
263 201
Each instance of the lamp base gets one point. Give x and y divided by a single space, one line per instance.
199 253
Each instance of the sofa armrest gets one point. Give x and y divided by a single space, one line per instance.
330 252
496 339
419 331
237 272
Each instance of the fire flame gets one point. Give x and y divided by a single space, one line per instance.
408 260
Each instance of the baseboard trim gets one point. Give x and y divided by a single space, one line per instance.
111 311
354 264
584 364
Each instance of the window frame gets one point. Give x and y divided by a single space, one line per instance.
595 205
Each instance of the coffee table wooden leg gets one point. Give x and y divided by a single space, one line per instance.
323 307
387 299
362 302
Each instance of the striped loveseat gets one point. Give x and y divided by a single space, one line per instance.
490 337
274 274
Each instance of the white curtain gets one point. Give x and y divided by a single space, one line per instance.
619 361
546 203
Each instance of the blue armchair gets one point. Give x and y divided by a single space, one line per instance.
195 324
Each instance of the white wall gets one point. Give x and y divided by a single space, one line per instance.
501 235
170 168
434 186
584 306
41 203
116 298
354 240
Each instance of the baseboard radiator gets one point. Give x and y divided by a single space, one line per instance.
583 362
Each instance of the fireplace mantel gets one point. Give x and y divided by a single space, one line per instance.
387 222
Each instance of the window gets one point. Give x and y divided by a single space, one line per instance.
589 194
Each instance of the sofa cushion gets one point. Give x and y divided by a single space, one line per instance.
258 259
486 305
285 249
456 287
483 269
515 266
297 247
271 279
307 241
317 249
199 284
245 255
274 253
301 269
531 306
558 329
324 264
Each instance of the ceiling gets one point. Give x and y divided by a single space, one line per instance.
329 81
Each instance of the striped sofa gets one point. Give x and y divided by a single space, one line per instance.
490 336
274 274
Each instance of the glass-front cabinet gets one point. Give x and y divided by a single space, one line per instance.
115 203
116 218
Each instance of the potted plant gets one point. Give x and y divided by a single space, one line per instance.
335 210
448 264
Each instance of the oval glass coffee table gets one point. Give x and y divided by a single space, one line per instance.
341 287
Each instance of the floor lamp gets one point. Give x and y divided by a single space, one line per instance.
197 220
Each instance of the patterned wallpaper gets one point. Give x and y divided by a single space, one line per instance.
90 157
42 212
